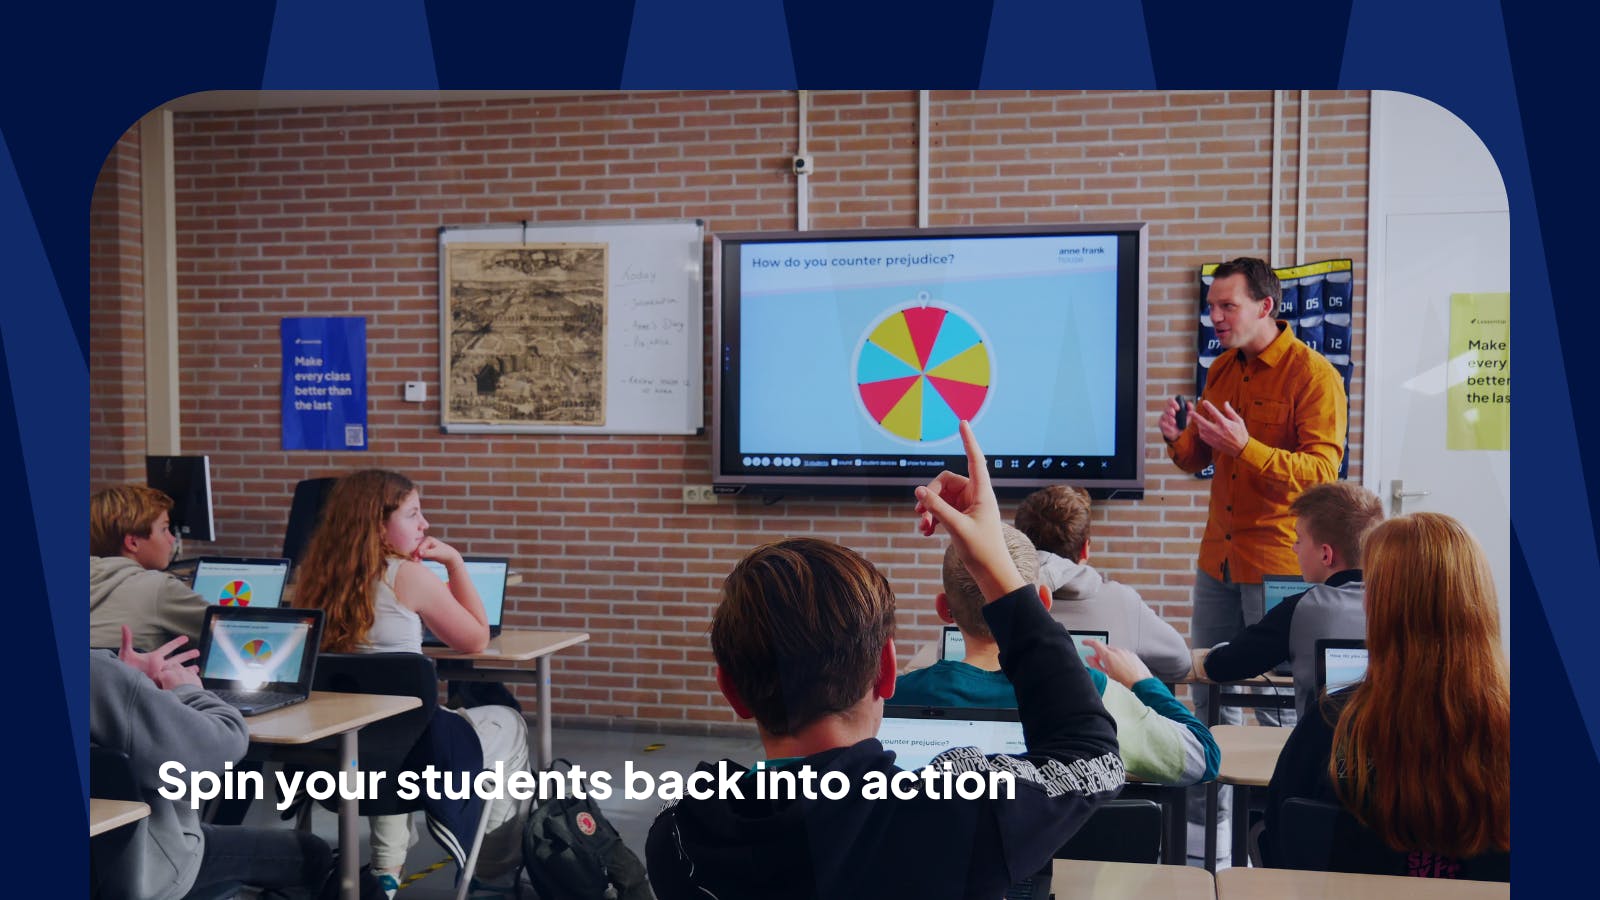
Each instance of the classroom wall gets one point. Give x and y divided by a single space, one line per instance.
116 321
336 212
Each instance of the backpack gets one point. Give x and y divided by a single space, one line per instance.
572 853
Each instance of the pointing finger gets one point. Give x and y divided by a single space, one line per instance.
977 465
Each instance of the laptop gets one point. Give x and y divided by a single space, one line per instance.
952 645
241 581
488 575
1274 590
1081 638
1277 588
257 659
917 734
1340 662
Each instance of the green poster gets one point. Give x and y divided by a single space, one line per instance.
1480 372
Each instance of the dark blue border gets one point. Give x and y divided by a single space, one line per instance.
77 75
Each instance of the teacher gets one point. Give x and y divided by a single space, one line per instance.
1272 419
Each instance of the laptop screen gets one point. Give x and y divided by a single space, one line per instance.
918 734
241 582
1277 588
1080 638
954 645
259 649
1340 663
488 576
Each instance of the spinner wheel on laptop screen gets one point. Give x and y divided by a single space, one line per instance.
234 593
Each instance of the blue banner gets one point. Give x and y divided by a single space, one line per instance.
324 383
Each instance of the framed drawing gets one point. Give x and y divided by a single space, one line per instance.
524 334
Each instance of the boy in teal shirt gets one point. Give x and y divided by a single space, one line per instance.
1162 742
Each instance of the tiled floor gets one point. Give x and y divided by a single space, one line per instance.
648 750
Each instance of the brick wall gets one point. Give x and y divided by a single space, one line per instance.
336 212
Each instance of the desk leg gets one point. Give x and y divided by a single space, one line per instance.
1175 849
546 751
1241 825
349 841
1211 827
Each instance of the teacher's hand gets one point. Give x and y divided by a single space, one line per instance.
1221 429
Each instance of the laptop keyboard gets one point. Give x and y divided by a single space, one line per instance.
257 699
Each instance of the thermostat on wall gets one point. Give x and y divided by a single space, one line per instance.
416 391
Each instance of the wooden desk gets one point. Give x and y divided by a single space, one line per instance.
105 815
1129 881
1286 884
1238 697
1249 754
512 646
326 714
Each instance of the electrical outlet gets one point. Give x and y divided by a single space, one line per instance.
698 494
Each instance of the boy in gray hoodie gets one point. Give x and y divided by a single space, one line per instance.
130 543
1056 519
152 707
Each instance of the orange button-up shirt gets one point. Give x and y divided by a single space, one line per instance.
1293 404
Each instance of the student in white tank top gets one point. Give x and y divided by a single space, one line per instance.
363 568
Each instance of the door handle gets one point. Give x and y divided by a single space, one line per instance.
1399 495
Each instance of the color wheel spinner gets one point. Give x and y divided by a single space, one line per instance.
921 370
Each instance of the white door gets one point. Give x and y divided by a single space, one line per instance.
1439 226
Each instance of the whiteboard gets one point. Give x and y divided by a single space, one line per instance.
653 333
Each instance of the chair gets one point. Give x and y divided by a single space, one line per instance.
1327 838
1305 835
384 745
1120 831
305 510
110 778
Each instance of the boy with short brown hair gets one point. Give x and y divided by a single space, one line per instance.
802 644
130 543
1332 520
1056 519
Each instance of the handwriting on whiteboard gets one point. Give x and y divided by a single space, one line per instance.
650 334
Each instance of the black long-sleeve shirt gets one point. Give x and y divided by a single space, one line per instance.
1289 632
855 847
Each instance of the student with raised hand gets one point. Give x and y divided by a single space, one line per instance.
1160 741
1418 753
363 568
802 644
130 542
1056 520
1331 520
152 707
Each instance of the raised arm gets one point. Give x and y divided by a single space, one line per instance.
1062 717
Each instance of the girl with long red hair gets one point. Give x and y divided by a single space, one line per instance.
1418 753
363 568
